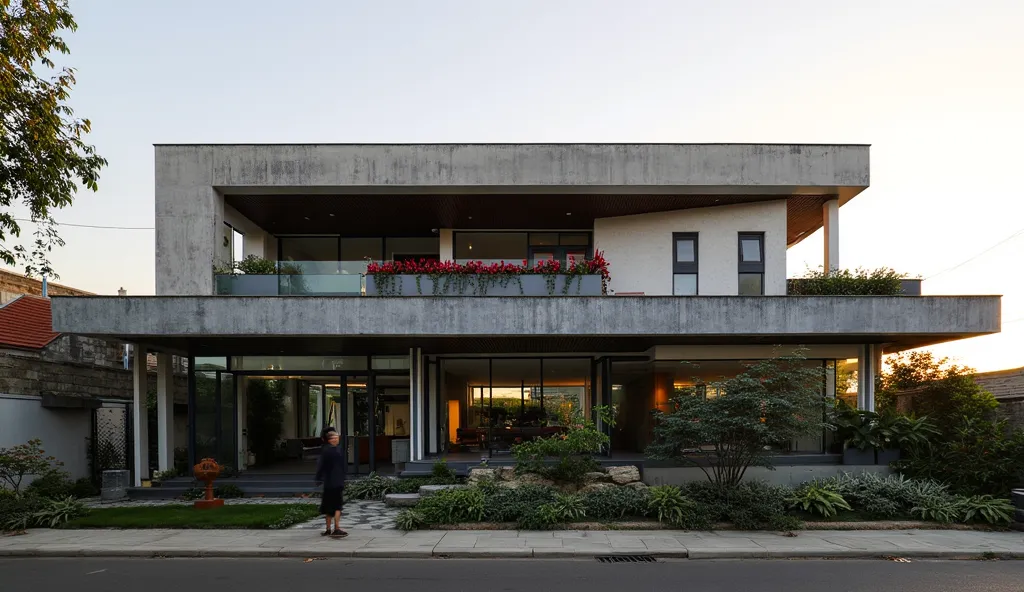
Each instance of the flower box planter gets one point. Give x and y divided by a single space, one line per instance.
910 287
856 456
887 455
246 285
483 285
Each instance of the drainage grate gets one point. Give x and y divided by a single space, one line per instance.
626 559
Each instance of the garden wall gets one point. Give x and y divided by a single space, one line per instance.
782 475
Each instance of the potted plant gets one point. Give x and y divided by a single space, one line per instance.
859 433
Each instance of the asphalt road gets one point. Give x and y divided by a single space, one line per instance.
481 575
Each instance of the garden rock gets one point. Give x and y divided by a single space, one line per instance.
478 475
596 477
429 490
624 475
505 473
638 485
533 479
595 487
401 500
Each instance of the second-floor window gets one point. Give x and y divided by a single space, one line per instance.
751 263
684 263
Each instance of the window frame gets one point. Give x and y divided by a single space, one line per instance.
749 267
686 267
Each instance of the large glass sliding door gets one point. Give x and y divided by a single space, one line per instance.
213 411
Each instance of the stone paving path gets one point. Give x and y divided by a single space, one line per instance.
357 515
392 543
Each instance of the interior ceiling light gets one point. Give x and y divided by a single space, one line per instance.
306 217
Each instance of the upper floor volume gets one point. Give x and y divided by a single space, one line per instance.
652 219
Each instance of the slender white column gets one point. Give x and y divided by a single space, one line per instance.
165 411
867 370
830 221
140 421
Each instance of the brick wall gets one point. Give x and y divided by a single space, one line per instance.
1013 409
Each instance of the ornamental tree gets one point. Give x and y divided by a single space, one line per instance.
23 460
768 405
43 155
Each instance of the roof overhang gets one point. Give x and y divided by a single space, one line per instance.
355 325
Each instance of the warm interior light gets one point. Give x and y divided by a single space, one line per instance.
453 420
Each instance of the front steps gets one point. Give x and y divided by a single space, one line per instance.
407 500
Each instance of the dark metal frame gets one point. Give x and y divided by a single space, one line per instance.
559 249
686 267
338 238
750 267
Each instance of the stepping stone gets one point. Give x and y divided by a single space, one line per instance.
401 500
429 490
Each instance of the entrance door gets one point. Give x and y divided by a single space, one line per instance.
215 417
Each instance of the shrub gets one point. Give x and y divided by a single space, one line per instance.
616 503
228 491
84 487
411 484
768 405
17 510
818 499
442 474
373 487
453 506
752 505
506 504
254 264
975 457
22 460
885 497
52 484
544 517
409 520
947 509
570 508
193 493
844 282
56 512
918 383
572 448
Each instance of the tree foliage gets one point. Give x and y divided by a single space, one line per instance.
43 154
937 388
770 404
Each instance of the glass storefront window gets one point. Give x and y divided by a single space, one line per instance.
309 248
507 246
566 384
211 363
847 382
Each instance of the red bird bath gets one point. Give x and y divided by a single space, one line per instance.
206 471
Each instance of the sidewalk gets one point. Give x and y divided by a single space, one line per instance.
512 544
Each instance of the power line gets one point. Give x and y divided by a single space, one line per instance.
966 261
94 225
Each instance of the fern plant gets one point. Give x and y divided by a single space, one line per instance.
815 499
987 508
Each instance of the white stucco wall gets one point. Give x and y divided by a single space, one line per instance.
64 432
639 248
256 242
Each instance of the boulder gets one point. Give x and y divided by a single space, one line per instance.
478 475
595 487
533 479
640 485
401 500
596 477
624 475
429 490
505 473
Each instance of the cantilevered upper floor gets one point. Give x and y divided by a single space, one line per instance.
671 219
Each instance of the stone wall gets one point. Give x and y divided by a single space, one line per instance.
14 284
1012 409
84 350
31 374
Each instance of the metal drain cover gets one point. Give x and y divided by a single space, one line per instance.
626 559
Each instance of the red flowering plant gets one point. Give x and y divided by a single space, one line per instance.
476 276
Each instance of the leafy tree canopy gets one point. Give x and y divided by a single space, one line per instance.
43 155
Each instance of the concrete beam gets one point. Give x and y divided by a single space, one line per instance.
245 168
212 316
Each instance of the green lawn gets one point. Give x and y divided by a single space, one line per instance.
240 516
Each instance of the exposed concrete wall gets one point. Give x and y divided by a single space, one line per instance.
192 179
598 316
782 475
639 248
750 352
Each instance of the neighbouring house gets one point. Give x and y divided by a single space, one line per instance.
349 312
72 392
1008 388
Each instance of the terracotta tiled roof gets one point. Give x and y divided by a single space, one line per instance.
26 323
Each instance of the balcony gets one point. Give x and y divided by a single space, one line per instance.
295 278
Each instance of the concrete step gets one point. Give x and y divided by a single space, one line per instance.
401 500
429 490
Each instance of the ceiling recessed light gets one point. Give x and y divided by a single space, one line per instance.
306 217
471 217
568 213
331 215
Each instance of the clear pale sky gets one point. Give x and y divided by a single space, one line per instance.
935 87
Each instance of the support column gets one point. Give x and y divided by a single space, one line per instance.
140 420
415 429
433 406
165 411
830 221
867 369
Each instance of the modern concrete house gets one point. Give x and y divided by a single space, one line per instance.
695 239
